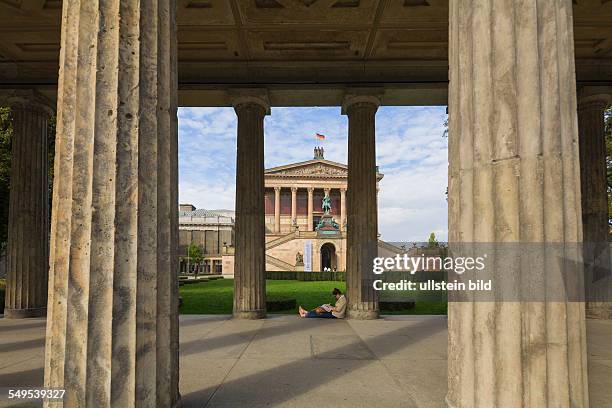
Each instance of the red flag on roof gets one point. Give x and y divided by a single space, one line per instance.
320 136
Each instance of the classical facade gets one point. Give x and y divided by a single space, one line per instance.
297 237
296 234
513 74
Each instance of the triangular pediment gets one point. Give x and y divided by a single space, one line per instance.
311 168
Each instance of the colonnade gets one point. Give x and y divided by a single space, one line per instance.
28 229
310 190
112 333
251 106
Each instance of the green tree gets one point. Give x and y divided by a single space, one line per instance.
194 252
432 242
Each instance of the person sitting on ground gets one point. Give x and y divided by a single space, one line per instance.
328 311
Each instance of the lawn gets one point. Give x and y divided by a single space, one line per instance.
215 297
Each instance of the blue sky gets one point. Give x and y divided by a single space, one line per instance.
410 151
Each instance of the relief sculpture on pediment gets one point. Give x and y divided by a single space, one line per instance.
315 170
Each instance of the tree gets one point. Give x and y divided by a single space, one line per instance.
194 253
433 242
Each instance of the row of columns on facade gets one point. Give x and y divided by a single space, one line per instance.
28 231
294 190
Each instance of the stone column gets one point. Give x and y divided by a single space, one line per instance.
514 177
343 209
250 255
277 191
594 196
28 229
112 326
293 205
310 208
362 247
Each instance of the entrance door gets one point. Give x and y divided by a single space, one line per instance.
328 257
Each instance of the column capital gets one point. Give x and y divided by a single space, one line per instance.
370 97
294 189
28 99
599 101
310 189
277 188
343 190
250 96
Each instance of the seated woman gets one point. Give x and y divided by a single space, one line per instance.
327 311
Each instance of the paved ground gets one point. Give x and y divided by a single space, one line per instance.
291 362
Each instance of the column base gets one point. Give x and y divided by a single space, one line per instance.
25 313
363 314
599 310
250 314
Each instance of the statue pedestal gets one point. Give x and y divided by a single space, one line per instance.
327 226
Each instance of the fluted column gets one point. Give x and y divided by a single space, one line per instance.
514 177
277 191
293 205
595 205
343 209
362 244
310 208
28 229
112 327
250 254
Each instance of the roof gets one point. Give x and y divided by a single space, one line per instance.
333 169
201 212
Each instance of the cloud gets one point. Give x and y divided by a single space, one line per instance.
410 151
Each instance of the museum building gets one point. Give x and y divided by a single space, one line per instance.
301 235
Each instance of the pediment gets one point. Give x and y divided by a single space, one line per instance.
313 168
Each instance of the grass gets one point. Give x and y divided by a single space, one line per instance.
216 297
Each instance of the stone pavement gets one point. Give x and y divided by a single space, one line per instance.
397 361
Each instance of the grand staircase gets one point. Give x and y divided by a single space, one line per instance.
281 240
276 242
284 266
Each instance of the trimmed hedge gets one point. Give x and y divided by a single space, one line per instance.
391 276
277 305
305 276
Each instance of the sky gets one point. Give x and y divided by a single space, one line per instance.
411 152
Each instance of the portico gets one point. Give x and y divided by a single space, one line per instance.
509 72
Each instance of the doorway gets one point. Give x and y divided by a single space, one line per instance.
328 257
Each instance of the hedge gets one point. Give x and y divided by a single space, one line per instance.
305 276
